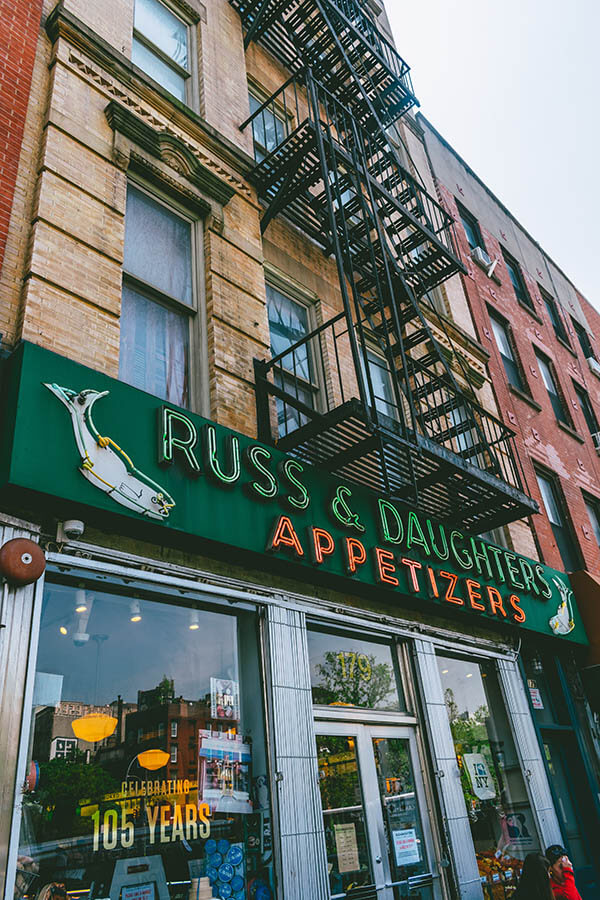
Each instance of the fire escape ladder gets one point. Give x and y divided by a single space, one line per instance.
370 394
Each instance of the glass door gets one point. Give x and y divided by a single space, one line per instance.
376 830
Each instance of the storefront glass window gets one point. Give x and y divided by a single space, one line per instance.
502 823
349 671
147 767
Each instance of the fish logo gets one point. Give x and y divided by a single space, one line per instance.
562 622
105 464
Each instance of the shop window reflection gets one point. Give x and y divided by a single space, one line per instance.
147 734
500 815
347 670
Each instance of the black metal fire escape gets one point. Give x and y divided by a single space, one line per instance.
370 394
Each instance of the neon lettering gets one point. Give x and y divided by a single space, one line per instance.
528 576
497 553
480 556
385 566
433 588
356 555
462 556
284 535
385 531
412 565
509 559
546 590
211 460
254 458
285 469
169 442
414 533
495 598
322 544
449 596
474 592
518 613
441 554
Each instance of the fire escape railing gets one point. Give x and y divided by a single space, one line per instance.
370 394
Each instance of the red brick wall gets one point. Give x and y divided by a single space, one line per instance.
570 454
20 22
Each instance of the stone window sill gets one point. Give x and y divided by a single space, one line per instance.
523 396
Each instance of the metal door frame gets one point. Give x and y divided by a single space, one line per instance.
363 732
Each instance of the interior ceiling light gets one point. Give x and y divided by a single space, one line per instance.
194 620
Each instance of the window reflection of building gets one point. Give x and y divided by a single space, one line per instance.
500 815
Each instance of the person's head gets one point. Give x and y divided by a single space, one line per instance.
535 882
557 862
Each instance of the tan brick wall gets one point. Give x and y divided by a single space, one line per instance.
112 20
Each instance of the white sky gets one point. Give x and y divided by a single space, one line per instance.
514 87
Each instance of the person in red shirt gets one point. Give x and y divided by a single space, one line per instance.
562 879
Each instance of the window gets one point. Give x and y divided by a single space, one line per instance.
554 315
347 670
491 774
174 728
587 409
516 277
593 510
471 227
268 129
495 536
584 341
158 299
545 367
107 684
560 527
160 46
507 354
289 322
383 391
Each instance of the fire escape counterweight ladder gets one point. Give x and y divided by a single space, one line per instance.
371 394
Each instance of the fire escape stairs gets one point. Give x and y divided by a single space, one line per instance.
337 176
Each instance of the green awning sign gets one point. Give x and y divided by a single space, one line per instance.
74 435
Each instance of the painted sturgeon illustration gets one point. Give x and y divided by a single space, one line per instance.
103 462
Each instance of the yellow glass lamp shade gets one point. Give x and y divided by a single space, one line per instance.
94 727
153 759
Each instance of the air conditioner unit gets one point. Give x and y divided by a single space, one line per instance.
594 365
479 256
596 440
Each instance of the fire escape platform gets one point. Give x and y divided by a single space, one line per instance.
289 182
347 444
335 38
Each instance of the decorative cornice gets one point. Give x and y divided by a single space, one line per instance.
124 81
171 149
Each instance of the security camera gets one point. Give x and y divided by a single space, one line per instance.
80 639
69 530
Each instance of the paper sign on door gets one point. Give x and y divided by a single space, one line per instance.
406 847
480 775
346 847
